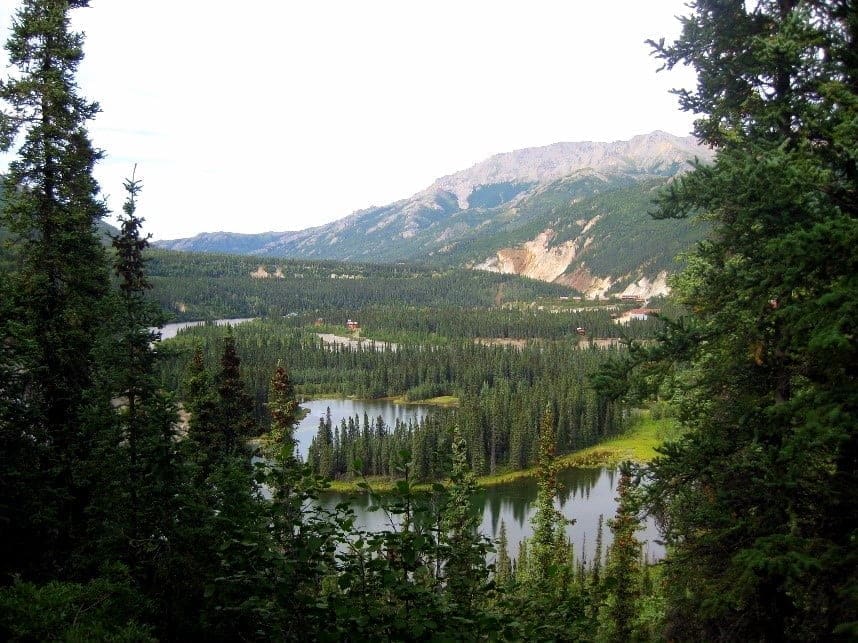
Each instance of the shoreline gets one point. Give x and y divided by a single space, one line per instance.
638 444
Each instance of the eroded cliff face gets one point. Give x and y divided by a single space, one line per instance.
565 263
646 288
584 281
535 259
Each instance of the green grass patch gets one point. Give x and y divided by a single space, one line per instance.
637 444
442 400
378 484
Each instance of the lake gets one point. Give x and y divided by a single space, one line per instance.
587 493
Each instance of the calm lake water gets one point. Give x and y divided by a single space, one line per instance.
586 494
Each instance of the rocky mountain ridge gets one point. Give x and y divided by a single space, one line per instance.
545 164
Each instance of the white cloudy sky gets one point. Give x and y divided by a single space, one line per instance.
282 114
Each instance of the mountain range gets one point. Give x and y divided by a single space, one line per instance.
569 213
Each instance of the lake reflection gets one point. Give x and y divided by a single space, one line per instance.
586 494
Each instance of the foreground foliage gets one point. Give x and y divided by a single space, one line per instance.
759 500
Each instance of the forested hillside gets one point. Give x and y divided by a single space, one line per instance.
206 286
605 243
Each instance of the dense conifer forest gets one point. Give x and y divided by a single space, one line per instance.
122 522
501 391
194 286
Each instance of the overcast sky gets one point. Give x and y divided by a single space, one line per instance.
279 115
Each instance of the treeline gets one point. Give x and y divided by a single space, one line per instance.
497 431
206 286
369 447
501 390
439 324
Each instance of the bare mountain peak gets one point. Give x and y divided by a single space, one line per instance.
641 153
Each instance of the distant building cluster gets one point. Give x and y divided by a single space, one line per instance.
642 313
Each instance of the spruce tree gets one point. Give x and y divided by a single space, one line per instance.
234 411
465 570
56 292
760 499
503 566
622 582
548 522
200 400
139 475
141 440
283 408
147 420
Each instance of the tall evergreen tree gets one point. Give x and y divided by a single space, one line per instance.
284 411
760 499
226 522
548 522
147 420
51 205
622 582
503 566
138 472
234 413
465 570
140 438
200 400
